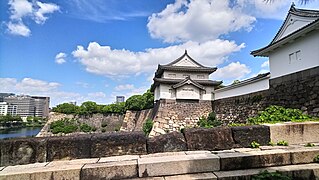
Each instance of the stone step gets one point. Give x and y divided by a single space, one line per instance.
175 165
300 171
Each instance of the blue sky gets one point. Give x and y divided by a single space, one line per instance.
80 50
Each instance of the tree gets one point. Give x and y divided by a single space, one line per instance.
135 102
66 108
88 107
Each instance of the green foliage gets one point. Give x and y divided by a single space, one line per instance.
316 159
254 144
88 108
209 122
309 145
63 126
271 143
140 102
66 108
9 118
147 126
86 128
265 175
274 114
113 108
282 143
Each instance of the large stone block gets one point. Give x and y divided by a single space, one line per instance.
244 135
254 159
295 133
209 139
22 151
304 155
199 176
110 170
166 143
177 164
113 144
68 147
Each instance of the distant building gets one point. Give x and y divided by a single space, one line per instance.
6 108
34 106
41 106
26 105
120 99
2 95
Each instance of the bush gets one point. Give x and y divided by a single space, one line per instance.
316 159
265 175
271 143
147 126
254 144
274 114
282 143
209 122
309 145
140 102
85 128
64 126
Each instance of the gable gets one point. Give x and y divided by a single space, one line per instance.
186 61
292 24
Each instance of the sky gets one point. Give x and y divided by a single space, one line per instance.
95 50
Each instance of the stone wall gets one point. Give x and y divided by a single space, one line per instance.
298 90
134 120
32 150
174 115
113 121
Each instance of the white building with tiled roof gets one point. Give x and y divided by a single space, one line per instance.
184 78
295 47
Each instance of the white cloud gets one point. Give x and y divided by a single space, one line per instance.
198 20
18 29
123 87
23 9
234 70
103 60
83 84
44 8
60 58
265 64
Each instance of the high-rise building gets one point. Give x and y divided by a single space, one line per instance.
2 95
6 108
41 106
25 104
120 99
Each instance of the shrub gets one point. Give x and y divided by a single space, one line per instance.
209 122
271 143
274 114
316 159
282 143
309 145
254 144
265 175
85 128
147 126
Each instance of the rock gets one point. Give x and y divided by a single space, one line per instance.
23 151
219 138
174 141
123 143
244 135
69 147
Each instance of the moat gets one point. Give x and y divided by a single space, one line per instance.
19 132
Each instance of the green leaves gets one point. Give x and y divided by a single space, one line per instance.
140 102
209 122
274 114
147 126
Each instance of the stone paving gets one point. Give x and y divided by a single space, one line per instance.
295 161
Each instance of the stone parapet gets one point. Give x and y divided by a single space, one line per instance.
239 163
